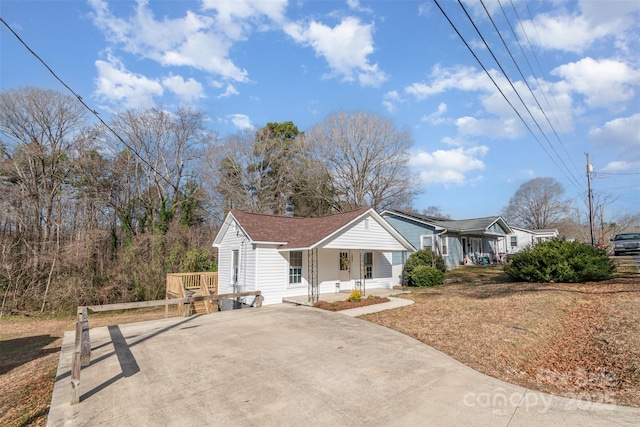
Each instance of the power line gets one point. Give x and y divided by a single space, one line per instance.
574 182
526 82
534 76
533 23
79 98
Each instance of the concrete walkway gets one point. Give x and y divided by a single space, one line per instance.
287 365
354 312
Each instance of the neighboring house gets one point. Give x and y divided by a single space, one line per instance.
290 256
522 238
460 242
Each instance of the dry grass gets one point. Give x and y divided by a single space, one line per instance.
573 340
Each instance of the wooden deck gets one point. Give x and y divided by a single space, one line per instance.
185 285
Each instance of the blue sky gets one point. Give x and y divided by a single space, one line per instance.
246 63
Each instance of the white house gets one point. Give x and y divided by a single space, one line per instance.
522 238
290 256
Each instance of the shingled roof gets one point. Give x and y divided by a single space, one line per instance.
455 225
293 232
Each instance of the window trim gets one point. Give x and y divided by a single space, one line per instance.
425 237
235 262
444 245
368 268
295 274
513 241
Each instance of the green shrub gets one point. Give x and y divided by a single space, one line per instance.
422 257
423 275
559 260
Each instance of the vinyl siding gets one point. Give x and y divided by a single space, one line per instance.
410 231
246 264
273 274
357 237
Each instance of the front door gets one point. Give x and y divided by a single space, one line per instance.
345 270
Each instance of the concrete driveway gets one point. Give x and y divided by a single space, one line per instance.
285 365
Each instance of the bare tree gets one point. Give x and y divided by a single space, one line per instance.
435 212
537 204
38 129
366 158
159 162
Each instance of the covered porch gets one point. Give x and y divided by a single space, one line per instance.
330 271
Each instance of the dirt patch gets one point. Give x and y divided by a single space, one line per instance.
346 304
580 341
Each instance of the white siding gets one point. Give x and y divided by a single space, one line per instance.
524 240
272 274
246 263
357 237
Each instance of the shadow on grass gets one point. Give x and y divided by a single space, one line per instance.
18 351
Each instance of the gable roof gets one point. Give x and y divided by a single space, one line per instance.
463 226
296 233
292 232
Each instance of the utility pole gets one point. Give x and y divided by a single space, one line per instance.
589 170
604 236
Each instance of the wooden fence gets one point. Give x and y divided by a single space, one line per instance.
82 352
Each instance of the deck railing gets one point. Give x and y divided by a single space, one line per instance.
182 285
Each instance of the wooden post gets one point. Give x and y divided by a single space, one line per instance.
85 339
76 364
259 299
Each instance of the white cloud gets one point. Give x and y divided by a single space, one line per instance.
578 30
435 118
229 91
188 90
561 32
494 128
449 166
604 82
622 133
355 5
444 79
115 84
236 18
620 166
192 40
241 121
390 100
346 48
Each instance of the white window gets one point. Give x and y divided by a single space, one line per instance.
234 266
444 242
514 241
426 242
368 265
295 267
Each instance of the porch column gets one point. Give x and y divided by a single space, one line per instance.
313 289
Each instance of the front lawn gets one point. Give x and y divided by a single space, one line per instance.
576 340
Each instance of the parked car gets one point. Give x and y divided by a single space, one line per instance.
626 243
